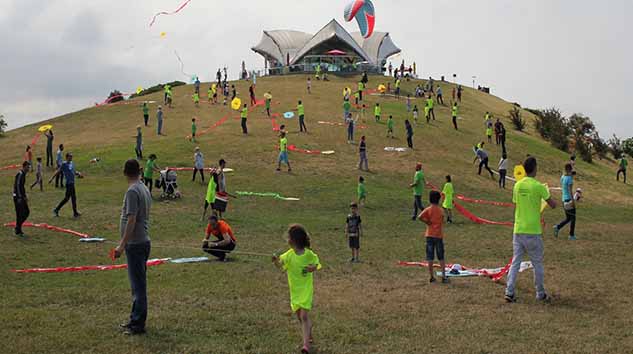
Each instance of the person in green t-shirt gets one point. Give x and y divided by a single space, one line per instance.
398 88
431 104
283 151
167 88
209 198
377 112
194 129
148 173
209 95
301 112
196 99
244 116
347 107
361 191
418 190
145 113
527 197
448 193
454 112
300 263
623 164
390 127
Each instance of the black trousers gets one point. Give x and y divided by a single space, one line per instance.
70 195
623 172
484 163
244 127
137 256
195 170
146 118
360 95
302 124
21 213
570 218
149 183
432 113
455 122
410 141
59 179
49 156
139 153
502 178
220 252
502 139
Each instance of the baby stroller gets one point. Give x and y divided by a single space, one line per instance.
168 182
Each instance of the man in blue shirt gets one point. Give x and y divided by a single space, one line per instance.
68 170
569 204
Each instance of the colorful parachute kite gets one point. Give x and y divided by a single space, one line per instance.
363 12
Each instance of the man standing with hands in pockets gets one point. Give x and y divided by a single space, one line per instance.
135 242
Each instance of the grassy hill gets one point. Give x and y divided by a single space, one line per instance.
372 307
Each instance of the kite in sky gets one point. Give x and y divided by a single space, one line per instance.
364 13
169 13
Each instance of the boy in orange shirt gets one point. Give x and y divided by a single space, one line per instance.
433 217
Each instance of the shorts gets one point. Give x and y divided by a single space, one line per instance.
283 157
354 242
434 246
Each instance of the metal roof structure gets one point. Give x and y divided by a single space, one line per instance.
289 47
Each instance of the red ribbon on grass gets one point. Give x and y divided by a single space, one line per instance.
150 263
51 228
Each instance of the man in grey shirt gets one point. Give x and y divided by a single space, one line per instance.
159 120
135 242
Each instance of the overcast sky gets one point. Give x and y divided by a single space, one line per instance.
62 55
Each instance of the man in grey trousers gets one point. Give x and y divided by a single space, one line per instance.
528 231
135 242
159 119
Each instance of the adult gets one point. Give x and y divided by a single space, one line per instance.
454 112
502 138
362 152
361 88
244 116
139 143
482 155
221 199
409 130
159 120
49 148
459 93
196 85
301 112
498 128
20 201
251 92
569 204
218 76
135 241
198 164
527 196
145 108
431 104
224 240
440 98
59 159
623 164
418 191
68 169
233 92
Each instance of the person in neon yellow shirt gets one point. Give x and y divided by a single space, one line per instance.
431 104
390 127
527 196
448 192
301 112
300 263
377 112
454 112
244 116
361 88
209 95
283 151
209 198
214 90
196 98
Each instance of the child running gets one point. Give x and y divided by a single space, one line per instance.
38 175
196 98
300 263
353 231
433 217
448 192
361 191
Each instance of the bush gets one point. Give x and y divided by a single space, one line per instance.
584 150
615 147
600 146
157 88
517 121
552 126
3 124
627 146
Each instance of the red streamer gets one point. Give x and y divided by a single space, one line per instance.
150 263
477 219
303 151
51 228
215 125
10 167
35 139
169 13
276 126
210 169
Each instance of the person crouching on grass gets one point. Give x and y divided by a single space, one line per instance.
300 263
225 241
433 217
353 231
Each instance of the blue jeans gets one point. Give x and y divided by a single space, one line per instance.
137 255
417 206
159 130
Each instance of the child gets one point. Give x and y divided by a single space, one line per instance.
390 127
309 85
362 151
198 164
408 103
454 111
214 89
489 129
433 217
268 100
209 95
194 128
448 192
503 170
139 143
416 114
244 116
377 112
361 191
28 156
38 175
353 231
196 98
362 113
300 263
283 151
427 110
148 172
350 128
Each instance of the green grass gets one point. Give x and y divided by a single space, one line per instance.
373 307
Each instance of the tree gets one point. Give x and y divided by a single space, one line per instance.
585 136
3 124
615 147
600 146
627 146
515 118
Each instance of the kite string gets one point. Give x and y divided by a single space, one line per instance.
182 65
246 253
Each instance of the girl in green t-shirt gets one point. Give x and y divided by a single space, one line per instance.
448 192
299 262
